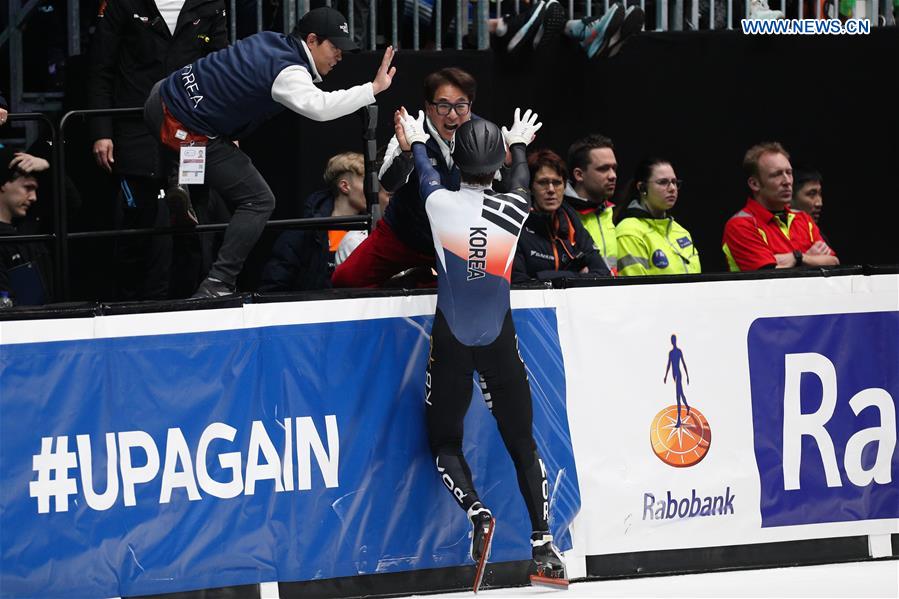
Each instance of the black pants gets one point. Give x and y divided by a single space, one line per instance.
142 264
155 267
504 383
231 174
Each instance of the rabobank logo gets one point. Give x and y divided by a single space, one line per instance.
680 435
824 402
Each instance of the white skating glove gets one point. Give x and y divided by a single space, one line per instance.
414 128
523 128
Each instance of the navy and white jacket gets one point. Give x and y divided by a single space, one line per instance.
133 48
234 90
406 211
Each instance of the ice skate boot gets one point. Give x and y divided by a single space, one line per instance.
547 568
483 524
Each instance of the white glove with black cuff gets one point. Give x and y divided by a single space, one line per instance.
414 128
523 128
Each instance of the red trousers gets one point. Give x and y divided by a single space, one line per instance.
378 258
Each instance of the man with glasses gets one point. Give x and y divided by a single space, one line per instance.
402 239
553 242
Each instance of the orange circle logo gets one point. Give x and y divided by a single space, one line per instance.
684 445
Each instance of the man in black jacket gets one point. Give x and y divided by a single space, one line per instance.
25 268
304 260
137 43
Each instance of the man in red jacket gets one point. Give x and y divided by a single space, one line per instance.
767 233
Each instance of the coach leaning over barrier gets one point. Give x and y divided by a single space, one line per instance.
224 96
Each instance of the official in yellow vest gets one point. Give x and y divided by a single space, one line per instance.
650 241
592 184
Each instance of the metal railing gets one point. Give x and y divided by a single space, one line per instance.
61 235
425 23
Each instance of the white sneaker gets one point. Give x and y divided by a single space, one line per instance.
759 9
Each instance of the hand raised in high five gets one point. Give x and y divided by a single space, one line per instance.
524 128
399 132
384 76
413 129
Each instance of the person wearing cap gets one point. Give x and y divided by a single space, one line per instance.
135 44
224 96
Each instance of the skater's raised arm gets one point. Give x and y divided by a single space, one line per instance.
523 130
414 132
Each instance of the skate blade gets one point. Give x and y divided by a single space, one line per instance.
549 582
482 563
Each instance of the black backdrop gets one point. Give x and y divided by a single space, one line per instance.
700 99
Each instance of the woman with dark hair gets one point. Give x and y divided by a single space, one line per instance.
650 241
553 243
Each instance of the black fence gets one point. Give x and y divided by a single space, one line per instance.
61 236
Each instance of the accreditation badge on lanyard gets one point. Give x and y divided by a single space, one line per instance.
192 166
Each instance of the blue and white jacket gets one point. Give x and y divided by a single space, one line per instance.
234 90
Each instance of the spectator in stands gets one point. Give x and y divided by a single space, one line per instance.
25 268
354 239
553 242
591 185
650 241
807 193
402 239
759 9
136 44
767 233
222 97
605 35
538 25
303 260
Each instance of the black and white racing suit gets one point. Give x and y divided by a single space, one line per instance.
475 234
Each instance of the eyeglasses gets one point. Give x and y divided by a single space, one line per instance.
549 182
666 182
443 108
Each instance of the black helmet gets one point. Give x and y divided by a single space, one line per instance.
479 147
